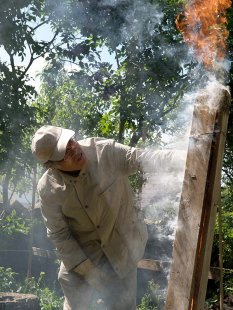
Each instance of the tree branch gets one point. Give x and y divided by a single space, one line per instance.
12 61
41 24
12 193
32 58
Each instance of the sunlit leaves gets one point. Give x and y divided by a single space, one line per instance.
12 224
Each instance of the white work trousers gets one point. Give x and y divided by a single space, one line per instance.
80 296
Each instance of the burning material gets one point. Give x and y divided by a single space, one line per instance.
203 26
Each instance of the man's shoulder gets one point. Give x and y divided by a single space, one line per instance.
97 146
48 179
99 149
95 141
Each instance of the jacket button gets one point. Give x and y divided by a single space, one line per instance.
98 226
86 206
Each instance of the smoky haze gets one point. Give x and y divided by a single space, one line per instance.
160 195
140 23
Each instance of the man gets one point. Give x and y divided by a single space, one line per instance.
90 214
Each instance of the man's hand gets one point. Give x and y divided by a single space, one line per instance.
92 275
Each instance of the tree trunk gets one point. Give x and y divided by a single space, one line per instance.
34 182
121 130
5 189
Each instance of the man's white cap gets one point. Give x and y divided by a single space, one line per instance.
49 143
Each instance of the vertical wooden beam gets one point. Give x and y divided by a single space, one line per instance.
200 195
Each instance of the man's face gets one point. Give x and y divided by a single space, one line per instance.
74 158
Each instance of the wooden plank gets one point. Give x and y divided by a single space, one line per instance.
212 197
44 253
196 218
153 265
161 266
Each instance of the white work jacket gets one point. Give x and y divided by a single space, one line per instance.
94 214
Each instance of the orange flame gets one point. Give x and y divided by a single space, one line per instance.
204 27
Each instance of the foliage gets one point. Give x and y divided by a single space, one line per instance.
20 21
7 280
142 87
146 303
151 300
228 283
227 224
49 300
227 235
96 99
211 302
68 104
12 224
15 92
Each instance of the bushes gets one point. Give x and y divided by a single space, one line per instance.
153 298
13 224
7 280
146 303
49 299
225 229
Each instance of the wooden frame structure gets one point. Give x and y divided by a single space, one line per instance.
199 199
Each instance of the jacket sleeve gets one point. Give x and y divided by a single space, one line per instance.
68 249
130 159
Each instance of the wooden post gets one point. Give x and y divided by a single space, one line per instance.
200 195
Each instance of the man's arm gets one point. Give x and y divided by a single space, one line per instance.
68 249
58 232
130 159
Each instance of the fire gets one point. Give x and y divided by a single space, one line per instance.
204 27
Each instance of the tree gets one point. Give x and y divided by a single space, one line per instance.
19 22
149 79
63 102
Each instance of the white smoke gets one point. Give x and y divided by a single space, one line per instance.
161 193
136 19
160 197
